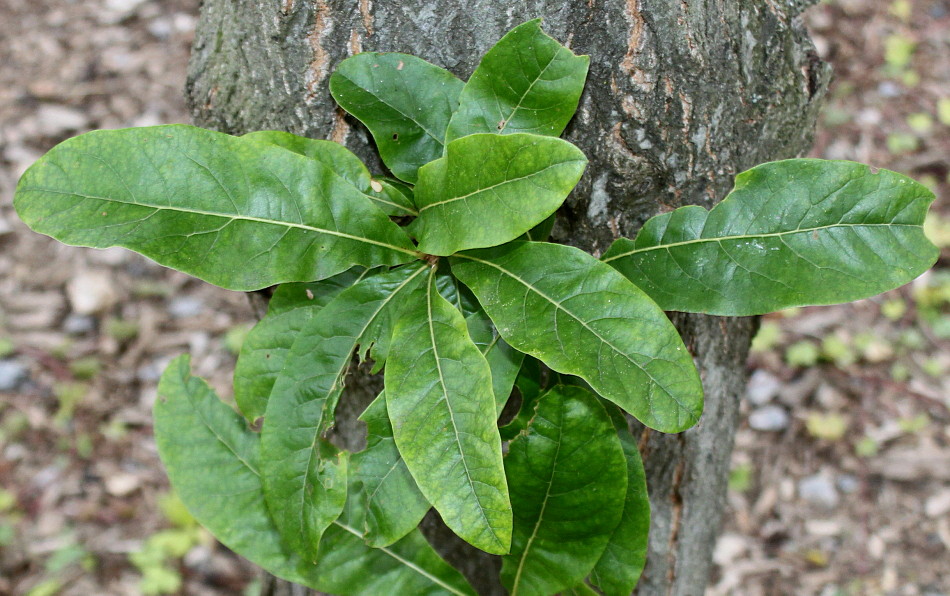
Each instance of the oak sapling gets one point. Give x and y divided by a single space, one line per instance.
443 277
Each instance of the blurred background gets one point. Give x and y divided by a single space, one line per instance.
840 482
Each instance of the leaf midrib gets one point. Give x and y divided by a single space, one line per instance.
721 239
229 216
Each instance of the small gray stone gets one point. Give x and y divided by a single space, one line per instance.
769 418
12 375
888 89
79 324
763 386
818 490
847 483
182 307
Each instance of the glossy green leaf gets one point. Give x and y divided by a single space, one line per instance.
214 465
619 568
455 292
791 233
440 401
393 197
341 161
568 478
265 347
303 487
404 101
527 82
489 189
503 360
213 462
580 317
387 493
235 212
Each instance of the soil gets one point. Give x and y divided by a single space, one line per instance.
841 481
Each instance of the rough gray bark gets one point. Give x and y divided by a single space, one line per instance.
682 95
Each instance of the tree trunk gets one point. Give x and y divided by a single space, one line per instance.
682 95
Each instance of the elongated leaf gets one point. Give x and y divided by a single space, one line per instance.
302 486
404 101
440 401
619 568
527 82
235 212
503 360
387 493
339 160
489 189
213 462
568 480
263 351
580 317
791 233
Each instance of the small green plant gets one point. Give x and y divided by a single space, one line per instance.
442 276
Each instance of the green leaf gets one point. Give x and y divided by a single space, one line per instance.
542 231
306 490
568 479
527 82
503 360
454 292
266 345
619 568
489 189
791 233
404 101
440 401
580 317
235 212
395 198
339 160
387 493
214 465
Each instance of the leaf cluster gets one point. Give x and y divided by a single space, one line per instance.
442 277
